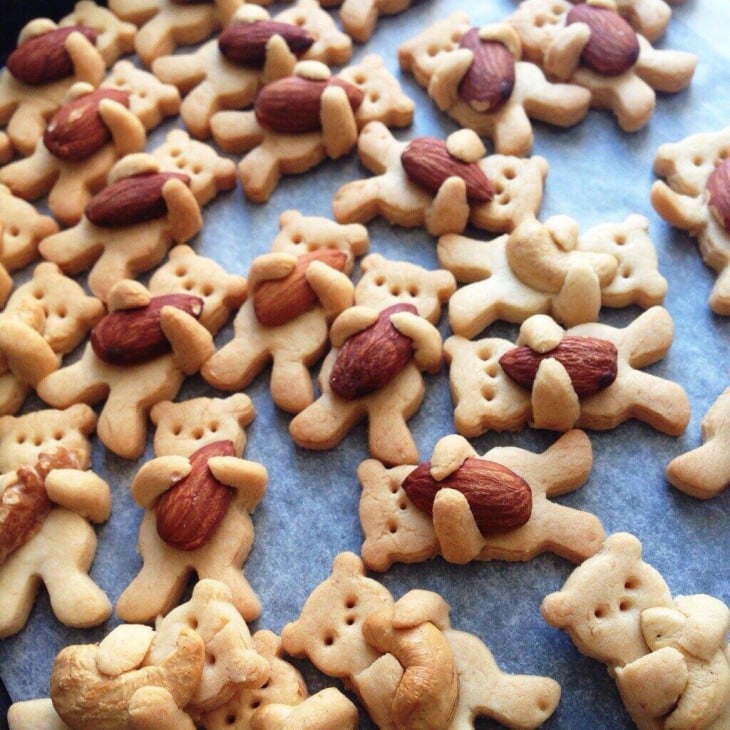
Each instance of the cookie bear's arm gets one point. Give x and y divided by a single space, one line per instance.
83 492
248 477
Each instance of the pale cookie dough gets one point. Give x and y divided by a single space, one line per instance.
557 48
114 38
692 167
439 63
669 656
328 709
6 149
704 472
360 17
295 345
548 267
397 531
211 82
271 154
487 399
517 183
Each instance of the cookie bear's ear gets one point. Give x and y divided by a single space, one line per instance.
444 282
82 417
288 217
348 564
624 544
556 610
372 261
240 406
159 410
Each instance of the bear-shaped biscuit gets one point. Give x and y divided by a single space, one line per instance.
359 18
328 709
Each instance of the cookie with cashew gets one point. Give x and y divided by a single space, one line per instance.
254 49
440 185
128 226
44 319
477 77
359 18
587 377
695 197
448 506
550 267
114 37
296 291
593 46
332 110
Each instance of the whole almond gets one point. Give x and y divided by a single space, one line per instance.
590 362
428 163
291 105
499 499
245 43
130 336
44 58
613 46
489 82
370 359
134 199
718 193
278 301
77 130
188 513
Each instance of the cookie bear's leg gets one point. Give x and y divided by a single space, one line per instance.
389 438
236 364
32 177
77 383
18 587
291 383
560 104
70 194
154 39
28 123
244 598
359 18
358 201
696 473
325 423
12 394
72 249
200 105
259 172
632 100
513 132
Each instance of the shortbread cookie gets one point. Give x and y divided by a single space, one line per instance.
226 73
476 76
591 45
694 198
360 17
83 140
329 709
669 656
549 267
442 186
586 377
704 472
128 226
114 37
296 291
398 529
33 92
331 110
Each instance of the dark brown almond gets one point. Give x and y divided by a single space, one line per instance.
613 47
718 193
77 130
590 362
499 499
278 301
130 336
132 200
370 359
489 82
428 163
44 58
188 513
245 43
291 105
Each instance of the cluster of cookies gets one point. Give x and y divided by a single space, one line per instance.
77 120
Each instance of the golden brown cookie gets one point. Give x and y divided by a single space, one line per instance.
114 37
360 17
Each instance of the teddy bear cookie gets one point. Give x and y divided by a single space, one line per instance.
114 37
360 17
128 226
696 199
593 46
585 377
47 499
704 472
330 112
254 49
198 495
440 185
477 77
550 267
296 291
448 506
669 656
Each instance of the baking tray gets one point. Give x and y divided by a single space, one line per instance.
597 174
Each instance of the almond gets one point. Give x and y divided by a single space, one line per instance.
499 499
188 513
613 46
718 193
427 163
590 362
370 359
245 43
77 130
44 58
489 82
130 336
291 105
132 200
278 301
